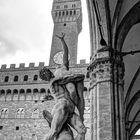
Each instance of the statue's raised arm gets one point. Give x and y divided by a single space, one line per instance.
66 51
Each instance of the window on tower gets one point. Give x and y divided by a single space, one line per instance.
58 7
6 79
26 78
35 77
70 12
65 6
16 78
73 5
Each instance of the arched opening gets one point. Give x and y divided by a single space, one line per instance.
42 93
127 40
2 95
26 78
36 94
8 95
35 77
131 43
22 95
6 79
28 94
16 78
15 95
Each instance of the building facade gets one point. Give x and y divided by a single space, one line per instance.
24 96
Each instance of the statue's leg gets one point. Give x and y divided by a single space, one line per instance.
60 115
66 133
78 125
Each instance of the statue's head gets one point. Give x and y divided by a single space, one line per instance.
46 74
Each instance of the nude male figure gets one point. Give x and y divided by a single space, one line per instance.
67 90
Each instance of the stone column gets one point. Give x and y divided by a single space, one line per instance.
101 97
118 84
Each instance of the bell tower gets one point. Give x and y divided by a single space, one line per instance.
67 18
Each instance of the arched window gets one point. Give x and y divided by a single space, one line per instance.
2 95
8 95
15 91
56 14
59 13
35 94
15 94
28 95
2 91
67 13
35 113
22 95
20 113
26 78
16 78
42 90
35 77
35 90
42 94
65 6
63 13
22 91
73 5
4 113
70 12
6 79
28 91
8 91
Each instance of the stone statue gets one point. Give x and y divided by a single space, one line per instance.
67 90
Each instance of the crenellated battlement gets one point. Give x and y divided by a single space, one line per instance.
21 66
32 66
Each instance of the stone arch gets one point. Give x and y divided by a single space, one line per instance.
129 21
132 105
132 18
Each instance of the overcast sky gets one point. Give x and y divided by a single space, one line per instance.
26 29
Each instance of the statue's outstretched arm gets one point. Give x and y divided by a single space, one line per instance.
65 48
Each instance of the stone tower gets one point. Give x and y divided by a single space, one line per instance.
67 18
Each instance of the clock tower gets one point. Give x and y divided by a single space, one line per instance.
67 18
